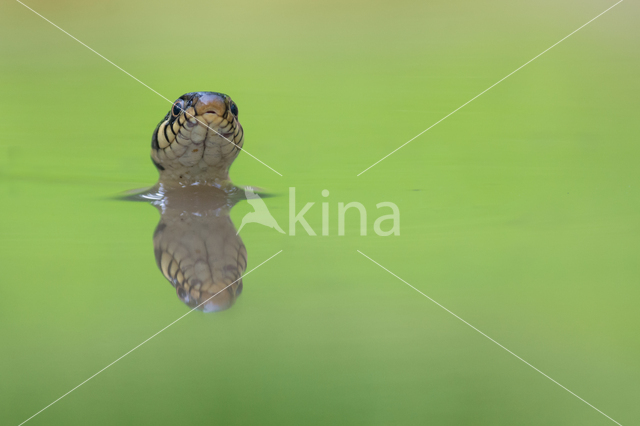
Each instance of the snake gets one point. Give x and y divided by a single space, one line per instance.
196 245
197 140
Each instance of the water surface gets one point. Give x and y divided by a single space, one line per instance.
519 213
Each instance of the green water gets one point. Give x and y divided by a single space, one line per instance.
519 213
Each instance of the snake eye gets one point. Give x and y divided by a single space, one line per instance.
234 108
181 293
176 109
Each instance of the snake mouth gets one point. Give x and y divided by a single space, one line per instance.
201 133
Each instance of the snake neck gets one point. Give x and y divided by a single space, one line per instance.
197 175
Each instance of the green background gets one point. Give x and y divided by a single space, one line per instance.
519 213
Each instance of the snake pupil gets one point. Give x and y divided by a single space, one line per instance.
234 109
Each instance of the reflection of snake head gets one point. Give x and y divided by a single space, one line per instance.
197 248
197 140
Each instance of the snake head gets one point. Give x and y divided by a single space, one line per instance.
197 140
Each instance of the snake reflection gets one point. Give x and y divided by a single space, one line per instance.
197 247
